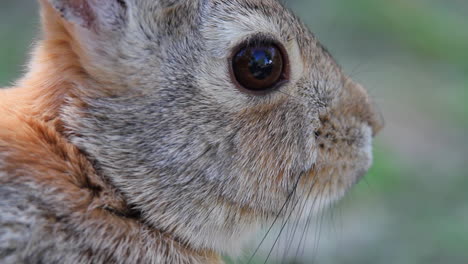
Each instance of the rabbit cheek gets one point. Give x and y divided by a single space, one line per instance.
273 151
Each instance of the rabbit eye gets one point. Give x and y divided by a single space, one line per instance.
259 67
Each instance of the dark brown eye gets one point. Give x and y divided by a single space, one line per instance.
258 67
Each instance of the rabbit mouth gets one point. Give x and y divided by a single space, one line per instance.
338 167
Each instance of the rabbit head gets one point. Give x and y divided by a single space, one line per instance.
210 116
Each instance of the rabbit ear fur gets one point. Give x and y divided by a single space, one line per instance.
97 14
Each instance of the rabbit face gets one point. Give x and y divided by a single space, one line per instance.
199 157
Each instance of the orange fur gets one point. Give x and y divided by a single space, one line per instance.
56 70
38 155
30 126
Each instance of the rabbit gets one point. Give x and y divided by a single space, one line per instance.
171 131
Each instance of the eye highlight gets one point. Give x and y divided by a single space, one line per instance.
259 67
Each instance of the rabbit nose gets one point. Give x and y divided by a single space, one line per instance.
360 105
376 120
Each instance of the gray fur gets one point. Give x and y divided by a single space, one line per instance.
185 147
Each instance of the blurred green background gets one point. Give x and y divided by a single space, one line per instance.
412 55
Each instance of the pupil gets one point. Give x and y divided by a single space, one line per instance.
258 67
261 63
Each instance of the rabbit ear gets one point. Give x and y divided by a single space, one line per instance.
92 14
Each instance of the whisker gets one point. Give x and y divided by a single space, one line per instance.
281 231
318 229
308 222
299 217
276 218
